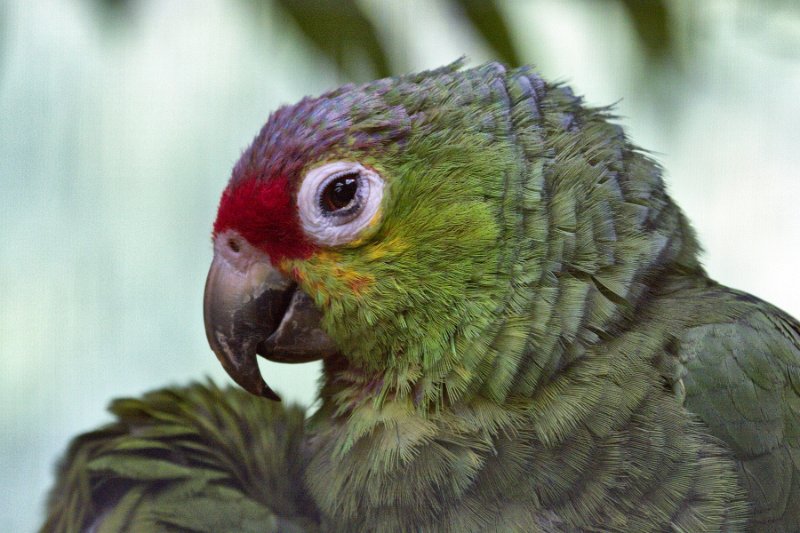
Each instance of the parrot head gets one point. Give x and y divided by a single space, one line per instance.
437 237
366 226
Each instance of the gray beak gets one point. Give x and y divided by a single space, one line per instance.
249 308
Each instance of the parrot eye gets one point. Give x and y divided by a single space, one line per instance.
339 193
337 200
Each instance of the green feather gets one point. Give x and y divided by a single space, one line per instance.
193 459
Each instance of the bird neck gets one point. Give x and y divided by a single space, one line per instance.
550 462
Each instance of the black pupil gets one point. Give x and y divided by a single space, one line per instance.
339 193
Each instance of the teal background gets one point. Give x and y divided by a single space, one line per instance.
118 129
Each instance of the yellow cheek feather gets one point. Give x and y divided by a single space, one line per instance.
387 248
369 230
325 274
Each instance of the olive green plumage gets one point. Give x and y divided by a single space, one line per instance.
528 343
183 460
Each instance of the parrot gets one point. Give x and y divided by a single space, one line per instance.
515 330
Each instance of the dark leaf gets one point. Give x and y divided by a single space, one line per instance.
652 22
342 32
114 5
114 10
488 21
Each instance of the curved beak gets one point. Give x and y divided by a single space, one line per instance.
249 308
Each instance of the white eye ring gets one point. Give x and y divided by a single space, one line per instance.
331 227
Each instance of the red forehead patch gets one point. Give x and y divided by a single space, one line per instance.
264 213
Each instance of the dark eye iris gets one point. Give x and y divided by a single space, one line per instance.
339 193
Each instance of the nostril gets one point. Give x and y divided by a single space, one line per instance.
233 244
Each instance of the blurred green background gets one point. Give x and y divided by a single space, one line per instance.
120 121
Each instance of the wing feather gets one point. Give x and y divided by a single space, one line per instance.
742 380
197 458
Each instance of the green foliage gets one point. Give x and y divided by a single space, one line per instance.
343 31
